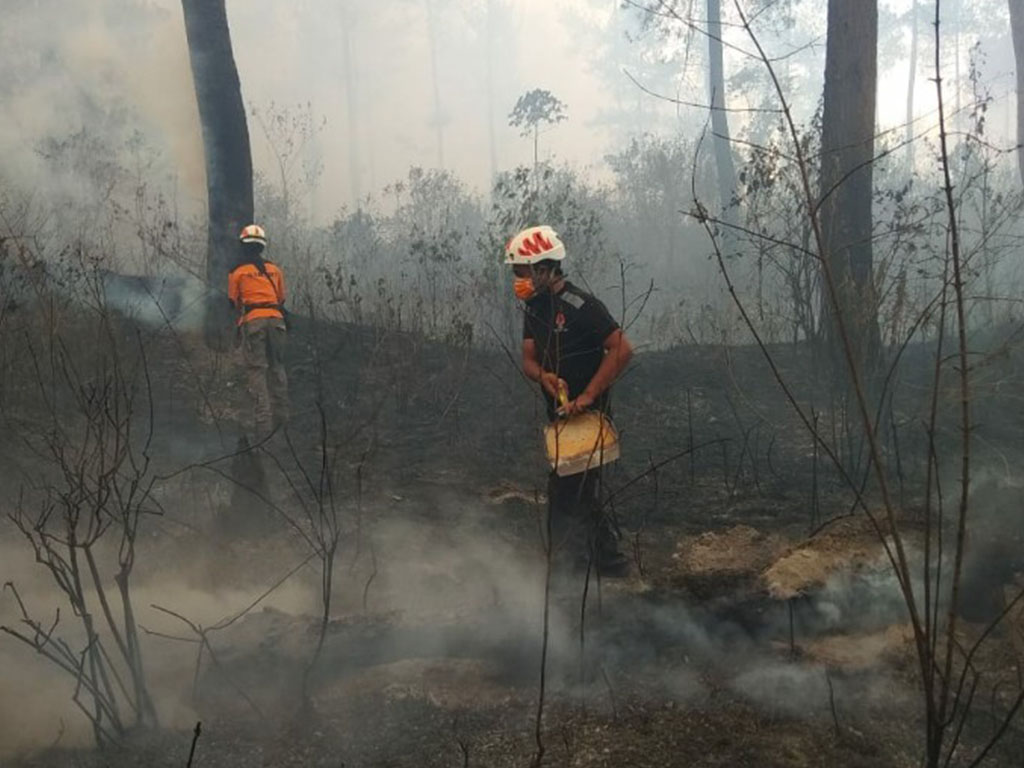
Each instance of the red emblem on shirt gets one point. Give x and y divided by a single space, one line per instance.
559 322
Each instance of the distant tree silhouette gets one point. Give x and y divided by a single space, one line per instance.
533 108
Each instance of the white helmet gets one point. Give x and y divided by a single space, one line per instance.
533 245
253 233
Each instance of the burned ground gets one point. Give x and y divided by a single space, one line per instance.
753 630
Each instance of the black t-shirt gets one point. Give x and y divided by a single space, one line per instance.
569 330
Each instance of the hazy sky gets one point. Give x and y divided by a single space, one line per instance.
291 53
294 54
394 92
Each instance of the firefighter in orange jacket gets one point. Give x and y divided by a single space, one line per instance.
256 290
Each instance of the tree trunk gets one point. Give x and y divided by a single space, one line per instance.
847 153
226 144
911 84
492 141
724 166
1017 28
957 88
351 107
438 116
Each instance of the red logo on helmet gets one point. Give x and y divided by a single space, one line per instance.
534 246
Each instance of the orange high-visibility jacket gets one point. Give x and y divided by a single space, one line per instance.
254 294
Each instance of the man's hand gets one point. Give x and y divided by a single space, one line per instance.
553 385
618 353
580 404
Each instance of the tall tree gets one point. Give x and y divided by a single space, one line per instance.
911 85
226 145
439 116
724 166
675 20
492 141
531 109
847 153
351 104
1017 29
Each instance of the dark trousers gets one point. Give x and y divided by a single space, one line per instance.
581 531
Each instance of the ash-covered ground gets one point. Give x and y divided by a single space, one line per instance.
761 625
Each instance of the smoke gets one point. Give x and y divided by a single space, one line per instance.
863 598
119 70
793 689
156 301
34 695
808 690
36 708
460 567
993 550
115 71
679 650
444 577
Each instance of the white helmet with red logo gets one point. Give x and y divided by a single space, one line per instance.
533 245
253 233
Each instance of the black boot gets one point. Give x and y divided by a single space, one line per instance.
612 564
608 558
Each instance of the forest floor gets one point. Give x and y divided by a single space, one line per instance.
761 624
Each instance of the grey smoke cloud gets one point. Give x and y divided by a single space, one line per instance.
167 301
450 583
114 67
64 66
108 68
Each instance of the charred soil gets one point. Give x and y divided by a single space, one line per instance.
752 631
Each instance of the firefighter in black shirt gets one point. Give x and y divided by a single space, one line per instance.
575 350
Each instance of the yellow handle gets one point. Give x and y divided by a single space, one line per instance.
563 397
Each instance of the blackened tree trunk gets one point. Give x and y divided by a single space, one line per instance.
226 144
1017 28
847 153
724 166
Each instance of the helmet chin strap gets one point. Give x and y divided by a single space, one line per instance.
552 282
